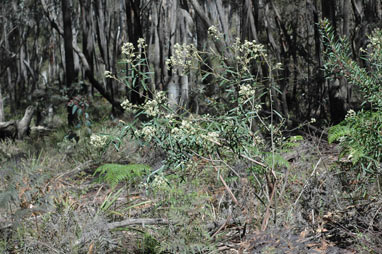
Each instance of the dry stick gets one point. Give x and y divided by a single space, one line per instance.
96 195
226 186
285 183
306 182
143 221
252 160
114 225
267 213
76 170
222 226
47 246
228 166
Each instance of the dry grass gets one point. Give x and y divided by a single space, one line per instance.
51 203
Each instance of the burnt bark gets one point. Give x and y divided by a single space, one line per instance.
70 74
336 98
134 32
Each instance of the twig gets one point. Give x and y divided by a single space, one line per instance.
306 183
76 170
226 186
267 213
8 224
96 195
222 226
228 166
142 221
47 246
285 182
252 160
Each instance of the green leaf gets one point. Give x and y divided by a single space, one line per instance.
74 109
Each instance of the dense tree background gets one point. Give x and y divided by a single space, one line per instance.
232 175
53 51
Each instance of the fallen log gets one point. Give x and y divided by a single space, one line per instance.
17 129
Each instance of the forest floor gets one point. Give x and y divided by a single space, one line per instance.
52 202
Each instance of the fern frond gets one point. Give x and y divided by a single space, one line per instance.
275 160
292 142
338 131
113 174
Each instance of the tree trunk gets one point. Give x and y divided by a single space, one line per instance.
134 31
69 58
85 64
1 107
336 97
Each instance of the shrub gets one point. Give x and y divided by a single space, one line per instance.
360 133
238 123
233 125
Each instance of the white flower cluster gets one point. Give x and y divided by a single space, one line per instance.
212 137
148 132
141 43
176 131
258 107
214 33
185 129
98 141
182 58
246 91
128 51
278 66
249 50
160 97
257 140
108 74
252 48
350 113
159 182
170 117
188 126
375 46
128 106
152 106
375 39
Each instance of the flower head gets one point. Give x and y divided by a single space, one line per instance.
214 33
98 141
108 74
246 92
350 113
128 51
141 43
182 57
127 105
147 132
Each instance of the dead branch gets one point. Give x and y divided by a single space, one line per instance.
139 221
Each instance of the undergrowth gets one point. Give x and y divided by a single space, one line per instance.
198 182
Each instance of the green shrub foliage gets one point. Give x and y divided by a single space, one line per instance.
360 134
228 121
